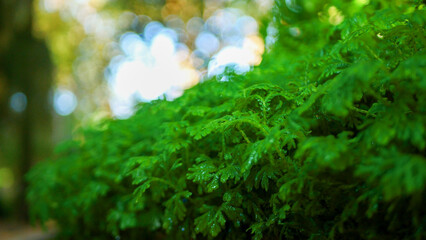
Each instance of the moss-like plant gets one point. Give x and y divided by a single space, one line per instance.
324 140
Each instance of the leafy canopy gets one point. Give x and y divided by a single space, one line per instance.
325 140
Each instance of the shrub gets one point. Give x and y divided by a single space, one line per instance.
324 140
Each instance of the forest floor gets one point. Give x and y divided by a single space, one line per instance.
19 231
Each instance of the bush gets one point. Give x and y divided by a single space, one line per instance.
325 140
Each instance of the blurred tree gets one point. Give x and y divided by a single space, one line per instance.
25 69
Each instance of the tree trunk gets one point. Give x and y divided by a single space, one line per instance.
26 65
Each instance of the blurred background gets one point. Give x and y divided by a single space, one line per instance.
67 63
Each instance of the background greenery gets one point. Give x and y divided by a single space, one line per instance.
324 140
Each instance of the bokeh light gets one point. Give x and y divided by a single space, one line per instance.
18 102
207 42
148 70
64 102
151 59
157 63
335 16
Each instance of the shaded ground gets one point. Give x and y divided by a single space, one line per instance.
16 231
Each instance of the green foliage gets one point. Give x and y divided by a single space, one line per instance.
325 140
